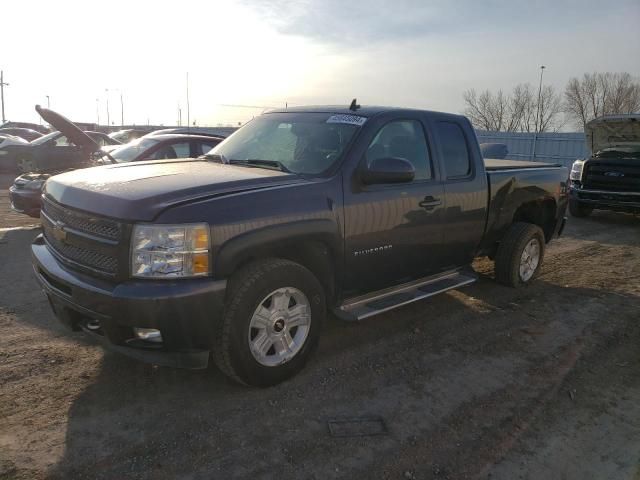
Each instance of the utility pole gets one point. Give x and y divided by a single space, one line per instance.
48 101
2 85
121 110
98 111
179 116
108 117
538 119
188 112
538 112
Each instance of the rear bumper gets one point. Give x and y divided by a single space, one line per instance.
26 201
185 311
606 200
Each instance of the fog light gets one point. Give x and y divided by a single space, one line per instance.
148 334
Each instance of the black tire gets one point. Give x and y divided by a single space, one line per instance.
509 254
247 288
578 210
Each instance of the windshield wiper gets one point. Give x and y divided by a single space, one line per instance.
256 162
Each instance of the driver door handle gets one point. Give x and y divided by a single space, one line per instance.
430 202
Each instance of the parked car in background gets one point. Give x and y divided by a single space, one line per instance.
26 133
26 191
209 131
103 140
127 135
610 178
52 151
240 254
6 140
494 150
32 126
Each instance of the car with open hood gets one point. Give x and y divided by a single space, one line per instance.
610 178
66 147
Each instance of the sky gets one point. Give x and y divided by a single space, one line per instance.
245 56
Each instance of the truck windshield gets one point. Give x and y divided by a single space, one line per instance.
305 143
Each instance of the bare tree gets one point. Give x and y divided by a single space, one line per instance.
516 112
486 111
549 111
598 94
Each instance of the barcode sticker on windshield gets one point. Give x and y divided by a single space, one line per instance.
348 119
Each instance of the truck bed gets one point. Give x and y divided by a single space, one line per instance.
512 183
492 164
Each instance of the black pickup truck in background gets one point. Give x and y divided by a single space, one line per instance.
240 254
610 178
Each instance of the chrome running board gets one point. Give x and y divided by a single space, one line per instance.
359 308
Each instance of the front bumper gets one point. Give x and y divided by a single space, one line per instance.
606 200
185 311
25 201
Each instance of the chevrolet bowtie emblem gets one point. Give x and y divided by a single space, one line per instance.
59 232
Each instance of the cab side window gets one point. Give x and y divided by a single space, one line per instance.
62 141
205 146
454 149
402 139
173 150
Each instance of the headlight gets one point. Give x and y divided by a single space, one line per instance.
576 170
169 251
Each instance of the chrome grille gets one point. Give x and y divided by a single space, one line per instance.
101 227
82 256
82 241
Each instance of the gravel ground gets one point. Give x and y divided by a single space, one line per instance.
485 382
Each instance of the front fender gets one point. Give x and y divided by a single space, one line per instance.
272 239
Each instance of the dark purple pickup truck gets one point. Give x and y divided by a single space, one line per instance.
240 255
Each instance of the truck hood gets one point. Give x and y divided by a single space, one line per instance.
613 131
140 191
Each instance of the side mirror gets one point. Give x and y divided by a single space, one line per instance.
388 170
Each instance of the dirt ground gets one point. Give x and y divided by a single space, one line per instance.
487 382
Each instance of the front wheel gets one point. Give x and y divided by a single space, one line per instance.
520 254
273 316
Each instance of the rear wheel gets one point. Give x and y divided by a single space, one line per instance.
273 316
520 254
578 210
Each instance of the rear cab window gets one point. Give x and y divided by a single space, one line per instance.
455 153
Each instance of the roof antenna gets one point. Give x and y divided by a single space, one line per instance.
354 105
